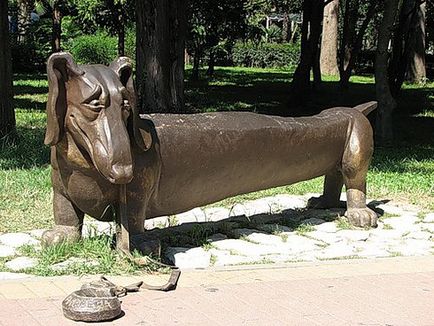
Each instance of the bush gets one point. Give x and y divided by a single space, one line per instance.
265 55
99 48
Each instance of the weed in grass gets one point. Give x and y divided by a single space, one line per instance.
212 260
389 215
208 246
246 238
199 234
342 258
387 227
395 253
234 252
405 234
304 228
421 216
28 251
284 237
264 260
342 223
172 221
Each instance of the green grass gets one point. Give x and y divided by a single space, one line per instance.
404 172
342 223
95 256
304 228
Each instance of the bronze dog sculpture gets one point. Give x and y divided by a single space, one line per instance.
172 163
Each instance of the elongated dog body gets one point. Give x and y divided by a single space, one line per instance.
172 163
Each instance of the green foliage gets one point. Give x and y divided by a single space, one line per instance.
100 48
212 22
273 33
265 55
35 51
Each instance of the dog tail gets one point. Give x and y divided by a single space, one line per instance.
366 108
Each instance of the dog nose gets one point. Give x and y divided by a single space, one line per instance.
121 174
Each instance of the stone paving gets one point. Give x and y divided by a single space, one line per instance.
385 291
269 230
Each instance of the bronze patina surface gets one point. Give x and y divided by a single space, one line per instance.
171 163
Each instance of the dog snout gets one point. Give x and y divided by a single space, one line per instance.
121 174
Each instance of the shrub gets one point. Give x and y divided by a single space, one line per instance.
265 55
99 48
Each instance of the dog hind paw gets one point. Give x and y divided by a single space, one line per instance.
362 217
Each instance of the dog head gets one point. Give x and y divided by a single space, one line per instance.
96 106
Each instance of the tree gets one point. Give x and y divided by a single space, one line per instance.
7 114
408 53
212 23
25 8
56 9
386 102
160 44
416 71
113 15
352 37
309 55
329 41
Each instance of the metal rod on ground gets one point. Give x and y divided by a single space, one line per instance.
122 230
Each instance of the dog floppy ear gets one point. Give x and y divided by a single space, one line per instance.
60 67
123 68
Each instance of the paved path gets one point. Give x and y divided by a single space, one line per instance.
388 291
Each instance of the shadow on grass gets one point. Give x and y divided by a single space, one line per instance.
25 152
28 104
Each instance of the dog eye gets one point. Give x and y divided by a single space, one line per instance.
94 105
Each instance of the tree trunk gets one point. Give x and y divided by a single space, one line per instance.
196 65
329 42
7 113
121 30
416 68
309 58
352 50
386 102
285 27
24 10
161 31
348 32
57 28
211 64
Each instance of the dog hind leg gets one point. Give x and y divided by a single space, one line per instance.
332 191
355 164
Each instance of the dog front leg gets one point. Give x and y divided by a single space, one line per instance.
68 221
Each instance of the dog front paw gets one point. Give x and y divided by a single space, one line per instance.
362 217
59 234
